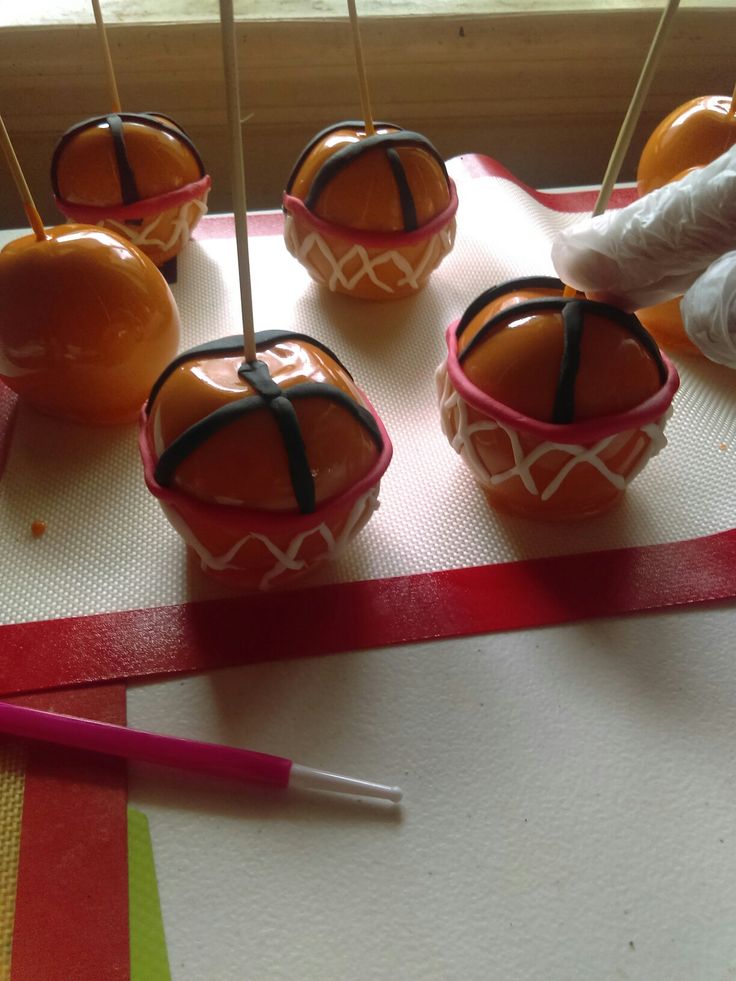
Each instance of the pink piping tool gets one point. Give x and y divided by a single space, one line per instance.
184 754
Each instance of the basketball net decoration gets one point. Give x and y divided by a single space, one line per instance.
138 174
271 557
592 392
567 461
369 265
369 206
262 452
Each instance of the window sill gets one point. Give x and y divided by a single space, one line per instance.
542 93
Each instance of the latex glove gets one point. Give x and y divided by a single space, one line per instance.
709 311
654 249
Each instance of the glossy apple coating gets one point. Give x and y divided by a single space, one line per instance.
364 193
519 362
110 168
269 468
691 136
554 403
87 323
370 216
664 323
339 449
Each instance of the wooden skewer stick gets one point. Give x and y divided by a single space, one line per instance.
20 182
112 84
365 102
237 176
732 110
634 111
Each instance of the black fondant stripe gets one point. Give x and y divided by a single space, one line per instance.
204 429
256 373
232 344
302 481
355 124
285 418
180 133
347 154
501 289
279 403
563 411
627 320
518 310
148 117
406 199
128 189
198 433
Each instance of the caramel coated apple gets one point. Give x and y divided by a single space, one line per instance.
87 322
266 468
370 216
554 403
136 173
691 136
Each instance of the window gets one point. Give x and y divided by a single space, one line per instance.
540 85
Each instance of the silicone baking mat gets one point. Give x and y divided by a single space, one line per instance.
108 592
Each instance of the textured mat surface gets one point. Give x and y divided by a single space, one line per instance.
107 546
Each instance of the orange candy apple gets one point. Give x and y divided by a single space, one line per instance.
690 137
136 173
554 403
266 468
87 322
370 216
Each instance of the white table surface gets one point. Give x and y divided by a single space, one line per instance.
568 815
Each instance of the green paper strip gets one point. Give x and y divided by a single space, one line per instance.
149 959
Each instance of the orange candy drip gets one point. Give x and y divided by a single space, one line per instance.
245 463
87 323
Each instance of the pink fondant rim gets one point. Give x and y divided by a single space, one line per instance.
255 519
139 209
373 240
578 433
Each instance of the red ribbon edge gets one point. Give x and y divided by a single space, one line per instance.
331 619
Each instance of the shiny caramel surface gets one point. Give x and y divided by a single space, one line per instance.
518 362
691 136
87 171
87 323
364 195
246 462
664 323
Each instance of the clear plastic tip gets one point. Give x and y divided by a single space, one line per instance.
308 778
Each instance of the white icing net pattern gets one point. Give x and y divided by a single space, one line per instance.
460 432
370 261
288 559
144 236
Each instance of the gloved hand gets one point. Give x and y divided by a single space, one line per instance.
658 247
